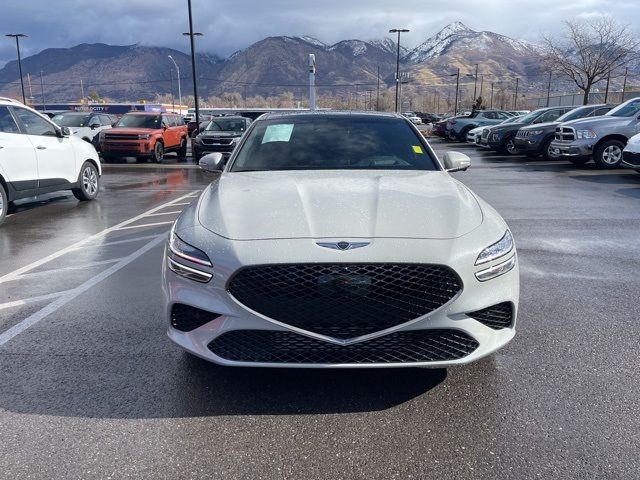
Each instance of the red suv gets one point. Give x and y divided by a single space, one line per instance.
144 135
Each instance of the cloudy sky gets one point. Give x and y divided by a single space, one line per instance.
230 25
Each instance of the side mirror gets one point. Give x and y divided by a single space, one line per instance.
456 161
165 126
65 132
93 126
212 162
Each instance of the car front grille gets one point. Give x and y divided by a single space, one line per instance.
631 158
344 300
120 136
497 316
267 346
186 318
565 134
216 141
523 133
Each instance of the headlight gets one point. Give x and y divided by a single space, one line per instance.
144 136
182 249
535 132
235 140
586 134
179 248
497 250
496 270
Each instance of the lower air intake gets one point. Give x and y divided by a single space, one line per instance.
266 346
496 317
186 318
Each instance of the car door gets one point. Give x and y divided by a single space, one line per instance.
55 154
18 160
169 134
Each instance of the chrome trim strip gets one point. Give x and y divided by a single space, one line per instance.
496 270
187 272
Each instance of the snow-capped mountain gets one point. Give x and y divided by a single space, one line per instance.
389 45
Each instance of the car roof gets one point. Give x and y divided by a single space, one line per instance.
330 114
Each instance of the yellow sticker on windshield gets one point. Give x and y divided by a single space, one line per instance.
417 149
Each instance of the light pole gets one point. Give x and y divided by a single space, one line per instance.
398 31
455 106
179 88
549 88
475 85
18 36
192 34
44 104
515 97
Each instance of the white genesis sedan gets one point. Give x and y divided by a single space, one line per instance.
339 240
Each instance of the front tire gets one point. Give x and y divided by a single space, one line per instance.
609 154
4 203
182 151
89 183
509 146
158 152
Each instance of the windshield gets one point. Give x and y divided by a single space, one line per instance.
71 120
227 125
530 117
332 142
576 113
140 121
628 109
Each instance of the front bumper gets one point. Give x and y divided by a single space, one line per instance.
631 159
232 315
529 144
572 149
126 147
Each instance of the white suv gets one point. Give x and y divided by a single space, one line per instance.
37 156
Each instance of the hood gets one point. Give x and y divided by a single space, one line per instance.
543 126
508 126
220 134
132 131
338 204
595 121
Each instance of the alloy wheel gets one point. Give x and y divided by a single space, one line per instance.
612 155
90 181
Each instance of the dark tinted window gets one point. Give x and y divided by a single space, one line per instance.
222 124
601 111
71 120
105 120
326 142
140 121
7 123
34 124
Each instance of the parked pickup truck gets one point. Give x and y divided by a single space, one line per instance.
535 140
602 138
144 135
459 127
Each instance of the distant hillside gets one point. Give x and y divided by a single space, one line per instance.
271 66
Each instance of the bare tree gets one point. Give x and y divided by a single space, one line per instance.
589 51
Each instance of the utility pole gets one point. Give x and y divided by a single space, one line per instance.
624 84
606 92
81 92
481 84
378 90
475 85
192 34
312 81
515 97
549 89
44 104
491 95
30 89
175 64
455 106
398 31
173 103
18 36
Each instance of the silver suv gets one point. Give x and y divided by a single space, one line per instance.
602 138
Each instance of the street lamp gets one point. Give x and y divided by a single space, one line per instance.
192 34
455 106
398 31
179 89
17 36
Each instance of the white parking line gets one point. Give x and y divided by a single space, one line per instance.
63 269
90 239
71 294
163 213
184 203
24 301
145 225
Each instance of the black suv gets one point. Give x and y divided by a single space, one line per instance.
502 137
222 134
535 140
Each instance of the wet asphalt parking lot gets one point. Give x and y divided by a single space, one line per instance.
90 386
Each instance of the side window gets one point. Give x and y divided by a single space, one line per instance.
490 115
601 111
7 123
105 120
165 120
502 116
174 121
93 120
34 124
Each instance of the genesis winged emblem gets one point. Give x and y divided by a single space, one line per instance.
342 245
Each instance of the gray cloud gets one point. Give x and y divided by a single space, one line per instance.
230 25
